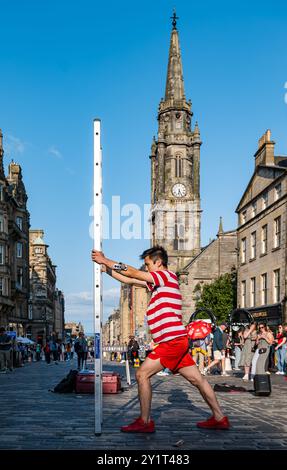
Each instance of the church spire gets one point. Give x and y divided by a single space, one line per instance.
2 175
174 83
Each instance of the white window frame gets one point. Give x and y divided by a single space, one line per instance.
2 223
276 285
253 292
243 294
243 250
21 271
253 245
19 225
264 239
277 232
264 287
2 254
19 250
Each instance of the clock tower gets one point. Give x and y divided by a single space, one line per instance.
175 161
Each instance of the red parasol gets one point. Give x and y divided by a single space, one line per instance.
198 329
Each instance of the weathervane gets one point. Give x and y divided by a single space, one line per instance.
174 18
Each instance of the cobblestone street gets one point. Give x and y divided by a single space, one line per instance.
34 418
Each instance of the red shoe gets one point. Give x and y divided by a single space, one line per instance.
139 426
212 423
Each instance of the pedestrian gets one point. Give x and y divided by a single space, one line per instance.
68 351
199 353
260 359
47 352
238 342
72 351
280 350
81 350
164 319
5 351
38 352
248 349
218 347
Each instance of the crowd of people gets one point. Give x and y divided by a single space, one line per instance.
15 354
253 349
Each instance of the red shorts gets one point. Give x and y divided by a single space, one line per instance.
173 354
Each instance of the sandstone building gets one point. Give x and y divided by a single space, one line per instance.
46 303
14 248
262 237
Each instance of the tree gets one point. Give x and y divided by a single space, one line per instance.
220 296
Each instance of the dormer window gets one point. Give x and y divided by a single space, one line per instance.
278 191
264 200
254 209
243 217
38 250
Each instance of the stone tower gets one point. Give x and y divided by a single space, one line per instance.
175 173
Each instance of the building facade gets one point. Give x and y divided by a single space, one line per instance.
217 258
59 316
72 330
14 248
112 329
262 218
42 288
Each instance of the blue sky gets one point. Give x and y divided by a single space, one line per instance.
62 63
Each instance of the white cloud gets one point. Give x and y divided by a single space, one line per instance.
14 146
79 306
55 152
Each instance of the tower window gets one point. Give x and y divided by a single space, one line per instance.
178 166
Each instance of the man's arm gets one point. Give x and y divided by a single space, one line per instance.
130 272
126 280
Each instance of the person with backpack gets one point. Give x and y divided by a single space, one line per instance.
80 349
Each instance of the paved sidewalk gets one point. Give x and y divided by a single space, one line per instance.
31 417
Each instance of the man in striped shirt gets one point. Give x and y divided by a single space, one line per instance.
164 318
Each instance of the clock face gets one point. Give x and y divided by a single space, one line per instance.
179 190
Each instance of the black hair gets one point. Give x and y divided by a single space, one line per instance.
155 253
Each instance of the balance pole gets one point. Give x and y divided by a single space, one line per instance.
97 277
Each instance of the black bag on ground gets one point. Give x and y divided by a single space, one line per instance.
262 385
228 388
68 384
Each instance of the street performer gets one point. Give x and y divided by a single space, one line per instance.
164 318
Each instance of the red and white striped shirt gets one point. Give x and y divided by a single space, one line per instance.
164 316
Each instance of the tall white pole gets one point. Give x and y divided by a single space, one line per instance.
97 287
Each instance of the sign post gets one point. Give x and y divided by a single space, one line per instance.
97 285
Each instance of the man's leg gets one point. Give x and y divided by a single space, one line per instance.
192 374
149 368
